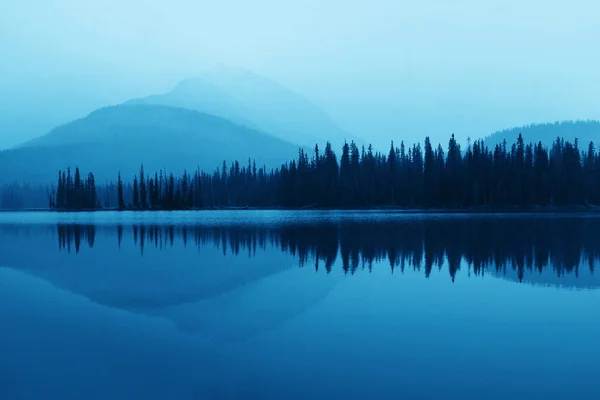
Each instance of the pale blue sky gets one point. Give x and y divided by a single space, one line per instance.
382 69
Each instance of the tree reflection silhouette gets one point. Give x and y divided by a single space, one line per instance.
73 234
480 244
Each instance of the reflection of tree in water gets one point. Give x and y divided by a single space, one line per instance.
71 236
484 244
120 234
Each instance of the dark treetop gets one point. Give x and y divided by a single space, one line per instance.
519 175
506 246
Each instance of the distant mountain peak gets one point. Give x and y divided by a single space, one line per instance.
254 100
584 130
224 70
121 137
190 85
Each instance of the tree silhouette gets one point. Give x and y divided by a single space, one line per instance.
121 199
136 194
143 191
517 248
519 176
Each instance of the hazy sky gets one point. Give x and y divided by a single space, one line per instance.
382 69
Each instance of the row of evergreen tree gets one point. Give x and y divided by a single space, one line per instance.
483 245
74 193
407 176
161 192
20 195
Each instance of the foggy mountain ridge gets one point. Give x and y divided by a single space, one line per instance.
585 131
201 96
120 138
214 109
256 101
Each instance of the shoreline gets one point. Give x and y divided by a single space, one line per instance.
399 210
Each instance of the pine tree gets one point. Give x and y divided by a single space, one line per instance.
159 191
198 203
151 192
345 175
77 190
143 193
408 176
429 175
69 190
184 191
60 192
120 199
393 167
590 172
136 194
171 205
92 196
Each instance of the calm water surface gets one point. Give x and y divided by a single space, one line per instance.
299 305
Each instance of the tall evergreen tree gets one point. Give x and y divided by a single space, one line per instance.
91 198
393 167
521 174
152 198
136 194
143 191
77 190
121 198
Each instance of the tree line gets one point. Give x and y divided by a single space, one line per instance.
74 193
519 175
19 195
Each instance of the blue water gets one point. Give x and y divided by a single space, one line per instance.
284 305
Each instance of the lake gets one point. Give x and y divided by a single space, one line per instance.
299 305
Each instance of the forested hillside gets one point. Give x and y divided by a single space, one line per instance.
584 131
256 101
520 175
122 137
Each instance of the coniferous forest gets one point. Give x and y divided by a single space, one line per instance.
20 195
74 193
483 244
515 175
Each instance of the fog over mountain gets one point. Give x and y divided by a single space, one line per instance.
584 131
121 138
383 70
256 101
225 114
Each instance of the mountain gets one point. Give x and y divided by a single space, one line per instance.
255 101
124 136
197 95
584 131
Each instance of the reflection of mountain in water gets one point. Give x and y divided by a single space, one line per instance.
233 282
226 308
545 251
176 274
76 331
582 277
